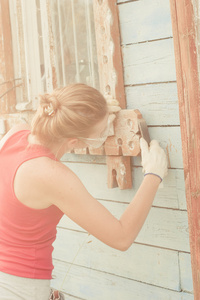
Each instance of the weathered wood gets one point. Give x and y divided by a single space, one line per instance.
119 172
186 272
166 228
149 62
110 66
108 50
171 196
158 103
51 46
7 83
126 139
15 119
22 53
140 262
184 31
90 284
144 21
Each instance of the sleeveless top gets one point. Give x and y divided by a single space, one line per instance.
26 234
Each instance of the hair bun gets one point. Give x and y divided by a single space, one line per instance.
50 104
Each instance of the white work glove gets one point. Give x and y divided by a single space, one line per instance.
113 108
154 159
113 104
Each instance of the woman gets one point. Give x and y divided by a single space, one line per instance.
36 189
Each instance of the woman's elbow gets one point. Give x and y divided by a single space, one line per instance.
124 248
123 245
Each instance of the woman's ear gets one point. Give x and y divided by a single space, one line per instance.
72 143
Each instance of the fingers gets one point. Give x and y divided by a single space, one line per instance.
155 147
113 104
111 118
154 142
113 109
144 147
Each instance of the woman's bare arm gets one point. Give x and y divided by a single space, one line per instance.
51 182
68 193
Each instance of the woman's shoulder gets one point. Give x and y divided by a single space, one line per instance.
42 176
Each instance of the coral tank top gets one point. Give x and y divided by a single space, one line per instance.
26 234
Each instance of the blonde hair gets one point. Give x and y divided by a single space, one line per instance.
67 112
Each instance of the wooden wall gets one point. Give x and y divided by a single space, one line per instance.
157 266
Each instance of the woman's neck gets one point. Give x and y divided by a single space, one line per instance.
57 148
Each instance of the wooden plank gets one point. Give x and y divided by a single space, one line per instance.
108 50
186 272
111 69
149 62
22 52
166 228
158 103
32 50
185 38
90 284
144 21
52 48
7 101
172 195
145 265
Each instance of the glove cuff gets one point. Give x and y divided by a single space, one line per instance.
154 175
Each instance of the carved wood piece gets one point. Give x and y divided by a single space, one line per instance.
119 172
126 134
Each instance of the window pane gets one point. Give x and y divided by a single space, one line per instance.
74 42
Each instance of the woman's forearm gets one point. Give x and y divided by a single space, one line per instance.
134 216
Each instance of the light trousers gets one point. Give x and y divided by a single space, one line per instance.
20 288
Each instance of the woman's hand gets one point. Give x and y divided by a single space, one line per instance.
154 159
113 105
113 108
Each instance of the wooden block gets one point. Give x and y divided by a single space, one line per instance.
97 151
119 172
126 139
